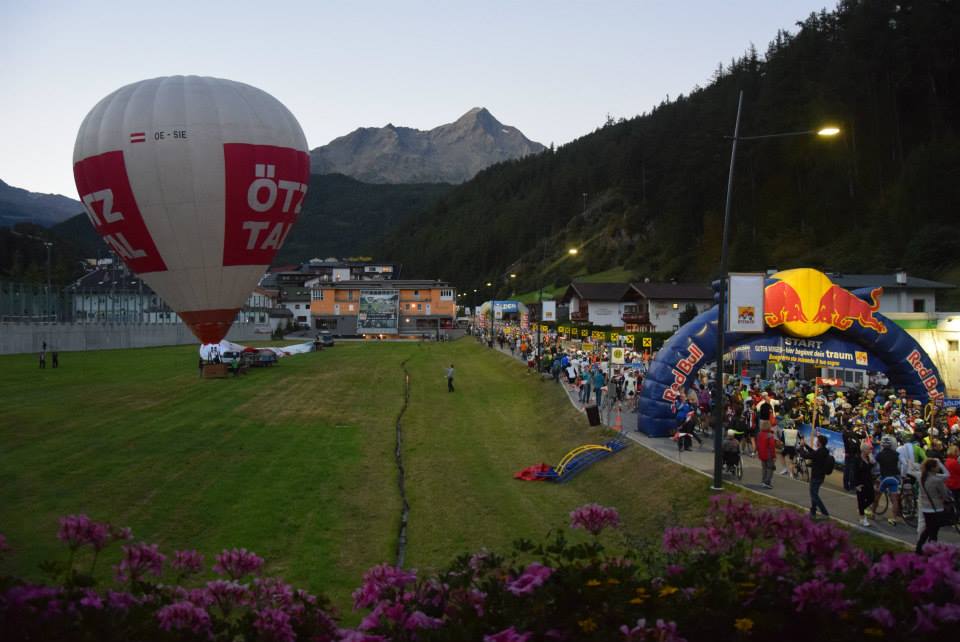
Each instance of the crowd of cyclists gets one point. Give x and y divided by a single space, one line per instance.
899 455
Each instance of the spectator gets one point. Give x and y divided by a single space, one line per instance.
767 453
863 482
953 467
933 499
821 467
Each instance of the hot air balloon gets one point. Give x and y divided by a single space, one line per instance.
194 183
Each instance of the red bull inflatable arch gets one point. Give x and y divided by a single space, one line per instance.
807 319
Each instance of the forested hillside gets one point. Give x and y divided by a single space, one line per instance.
345 217
341 217
884 194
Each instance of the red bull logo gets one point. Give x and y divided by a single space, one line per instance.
781 304
840 308
805 303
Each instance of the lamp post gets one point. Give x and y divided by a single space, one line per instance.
570 252
722 289
492 315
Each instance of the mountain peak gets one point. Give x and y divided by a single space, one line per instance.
450 153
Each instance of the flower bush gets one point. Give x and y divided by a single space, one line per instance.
744 573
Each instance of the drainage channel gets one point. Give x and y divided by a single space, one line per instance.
398 455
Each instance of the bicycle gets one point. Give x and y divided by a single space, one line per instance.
801 468
908 501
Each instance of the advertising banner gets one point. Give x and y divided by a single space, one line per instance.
745 298
549 310
378 312
824 351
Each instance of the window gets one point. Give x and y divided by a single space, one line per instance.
446 294
296 306
316 295
953 345
919 305
350 307
419 306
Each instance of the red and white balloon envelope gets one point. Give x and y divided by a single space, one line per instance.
195 183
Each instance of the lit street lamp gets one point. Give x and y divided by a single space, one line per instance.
825 132
570 252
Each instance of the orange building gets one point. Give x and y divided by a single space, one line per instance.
391 308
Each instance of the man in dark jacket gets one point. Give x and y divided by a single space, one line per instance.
821 467
851 453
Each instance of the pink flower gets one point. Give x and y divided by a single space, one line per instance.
237 562
348 635
820 594
594 518
187 562
91 599
420 620
532 577
183 615
138 560
882 616
377 580
79 530
663 631
507 635
228 594
274 591
274 624
120 601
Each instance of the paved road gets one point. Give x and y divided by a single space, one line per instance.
841 504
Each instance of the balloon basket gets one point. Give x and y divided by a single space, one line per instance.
215 371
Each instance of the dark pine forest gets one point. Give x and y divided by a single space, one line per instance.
885 194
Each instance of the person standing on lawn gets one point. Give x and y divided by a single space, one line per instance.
450 378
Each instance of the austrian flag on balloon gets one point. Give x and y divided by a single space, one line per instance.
195 184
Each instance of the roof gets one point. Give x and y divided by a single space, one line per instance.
886 281
384 284
675 291
597 291
110 279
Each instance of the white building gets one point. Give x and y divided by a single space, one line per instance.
663 303
901 293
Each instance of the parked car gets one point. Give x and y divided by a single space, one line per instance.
326 339
266 358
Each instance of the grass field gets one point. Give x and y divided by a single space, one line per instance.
296 461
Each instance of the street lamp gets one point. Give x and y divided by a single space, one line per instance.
824 132
570 252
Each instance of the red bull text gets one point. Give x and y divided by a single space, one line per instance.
929 377
681 371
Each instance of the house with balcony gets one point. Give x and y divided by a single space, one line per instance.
604 304
388 307
660 305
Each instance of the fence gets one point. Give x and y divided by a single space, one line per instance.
100 318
